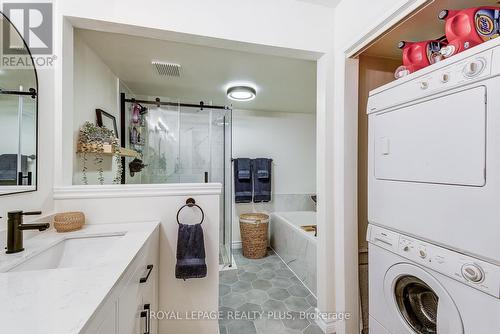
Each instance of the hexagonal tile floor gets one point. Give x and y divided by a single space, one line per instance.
264 296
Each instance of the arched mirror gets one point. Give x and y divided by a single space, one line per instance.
18 114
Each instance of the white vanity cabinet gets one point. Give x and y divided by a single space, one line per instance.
129 304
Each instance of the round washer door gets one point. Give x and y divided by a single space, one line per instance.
420 302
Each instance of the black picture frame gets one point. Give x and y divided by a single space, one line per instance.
103 118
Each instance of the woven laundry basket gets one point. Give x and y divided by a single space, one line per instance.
253 229
69 221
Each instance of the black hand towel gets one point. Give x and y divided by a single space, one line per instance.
261 168
190 252
242 180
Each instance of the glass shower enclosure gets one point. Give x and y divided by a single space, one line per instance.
180 143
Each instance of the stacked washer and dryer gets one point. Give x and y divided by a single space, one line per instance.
434 198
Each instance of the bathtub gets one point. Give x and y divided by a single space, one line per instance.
295 246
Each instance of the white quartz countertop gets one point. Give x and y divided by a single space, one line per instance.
62 300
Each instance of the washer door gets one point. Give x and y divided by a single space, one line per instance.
420 302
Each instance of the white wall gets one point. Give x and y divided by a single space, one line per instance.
287 138
341 242
288 24
290 140
95 86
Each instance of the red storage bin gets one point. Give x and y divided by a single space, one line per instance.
469 27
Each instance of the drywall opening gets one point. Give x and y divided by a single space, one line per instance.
377 65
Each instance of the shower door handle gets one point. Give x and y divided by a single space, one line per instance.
206 177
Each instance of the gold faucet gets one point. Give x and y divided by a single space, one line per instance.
15 228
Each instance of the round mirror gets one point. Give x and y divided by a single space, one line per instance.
18 113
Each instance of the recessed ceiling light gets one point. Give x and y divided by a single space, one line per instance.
241 93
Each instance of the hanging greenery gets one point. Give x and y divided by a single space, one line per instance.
91 135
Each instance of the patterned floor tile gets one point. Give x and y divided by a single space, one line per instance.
297 304
241 327
313 329
278 293
286 273
247 277
261 284
233 300
297 322
252 268
267 290
269 326
241 286
229 277
298 291
256 296
224 289
281 282
312 300
226 315
274 306
266 274
250 307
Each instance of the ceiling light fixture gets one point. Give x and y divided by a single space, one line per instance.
241 93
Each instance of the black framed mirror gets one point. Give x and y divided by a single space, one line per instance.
18 114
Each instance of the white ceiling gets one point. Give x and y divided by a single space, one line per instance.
283 84
421 26
329 3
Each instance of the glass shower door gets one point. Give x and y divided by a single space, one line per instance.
184 144
226 226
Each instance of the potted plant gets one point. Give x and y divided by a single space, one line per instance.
91 139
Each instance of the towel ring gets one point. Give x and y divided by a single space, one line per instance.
190 202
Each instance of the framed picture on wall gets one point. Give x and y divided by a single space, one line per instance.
107 120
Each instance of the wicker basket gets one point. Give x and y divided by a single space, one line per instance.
253 229
69 221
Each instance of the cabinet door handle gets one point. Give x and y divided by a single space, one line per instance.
147 310
145 279
144 314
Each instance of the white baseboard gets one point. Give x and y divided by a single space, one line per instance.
327 327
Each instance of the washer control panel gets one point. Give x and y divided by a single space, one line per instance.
471 271
476 273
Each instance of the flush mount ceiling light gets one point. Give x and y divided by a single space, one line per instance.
241 93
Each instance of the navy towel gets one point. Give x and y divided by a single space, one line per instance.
261 168
242 180
190 252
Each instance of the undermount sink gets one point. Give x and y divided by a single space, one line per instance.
71 252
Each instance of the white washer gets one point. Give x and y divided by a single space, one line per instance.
434 153
420 288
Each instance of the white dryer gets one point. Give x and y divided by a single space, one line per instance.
420 288
434 153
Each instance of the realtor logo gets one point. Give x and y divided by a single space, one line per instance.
34 23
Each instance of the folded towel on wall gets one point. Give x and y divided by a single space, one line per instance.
261 168
243 180
190 252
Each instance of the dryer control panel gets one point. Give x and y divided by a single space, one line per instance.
452 73
476 273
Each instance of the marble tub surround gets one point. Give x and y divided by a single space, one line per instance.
63 300
267 291
295 246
